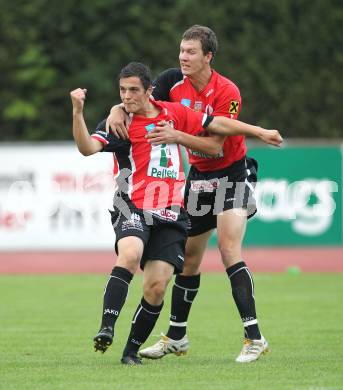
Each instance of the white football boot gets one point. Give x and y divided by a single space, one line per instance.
165 346
252 350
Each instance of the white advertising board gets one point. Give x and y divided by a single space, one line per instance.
52 197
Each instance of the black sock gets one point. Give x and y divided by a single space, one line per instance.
143 323
243 293
115 294
185 290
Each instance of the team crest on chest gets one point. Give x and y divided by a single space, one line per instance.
198 106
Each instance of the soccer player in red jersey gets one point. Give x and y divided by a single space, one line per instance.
149 220
197 85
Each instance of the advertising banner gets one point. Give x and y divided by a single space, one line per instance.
299 197
52 197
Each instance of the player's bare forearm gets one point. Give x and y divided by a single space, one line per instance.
165 134
117 122
211 145
226 126
85 143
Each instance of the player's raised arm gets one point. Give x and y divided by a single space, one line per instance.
226 126
85 143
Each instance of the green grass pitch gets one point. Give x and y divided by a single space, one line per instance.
47 325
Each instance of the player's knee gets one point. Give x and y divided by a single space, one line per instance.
229 251
191 268
131 254
128 259
192 263
154 291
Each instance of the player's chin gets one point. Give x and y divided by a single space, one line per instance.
186 70
130 108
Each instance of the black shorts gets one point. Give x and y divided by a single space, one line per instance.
163 232
208 194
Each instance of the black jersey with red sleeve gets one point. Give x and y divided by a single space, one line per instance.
220 97
152 176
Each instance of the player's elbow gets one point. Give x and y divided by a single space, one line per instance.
214 150
86 151
215 146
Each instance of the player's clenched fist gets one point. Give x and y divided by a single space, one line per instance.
78 97
271 137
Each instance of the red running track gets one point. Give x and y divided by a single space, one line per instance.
259 260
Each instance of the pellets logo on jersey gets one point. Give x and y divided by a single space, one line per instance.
234 107
164 161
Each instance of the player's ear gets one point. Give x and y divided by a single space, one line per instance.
149 91
209 57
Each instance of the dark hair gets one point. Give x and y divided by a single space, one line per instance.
136 69
205 35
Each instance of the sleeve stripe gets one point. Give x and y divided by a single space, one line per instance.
100 138
207 120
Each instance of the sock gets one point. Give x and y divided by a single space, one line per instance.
185 290
243 294
143 323
115 295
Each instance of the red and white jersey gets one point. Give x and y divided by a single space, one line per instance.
220 97
152 177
